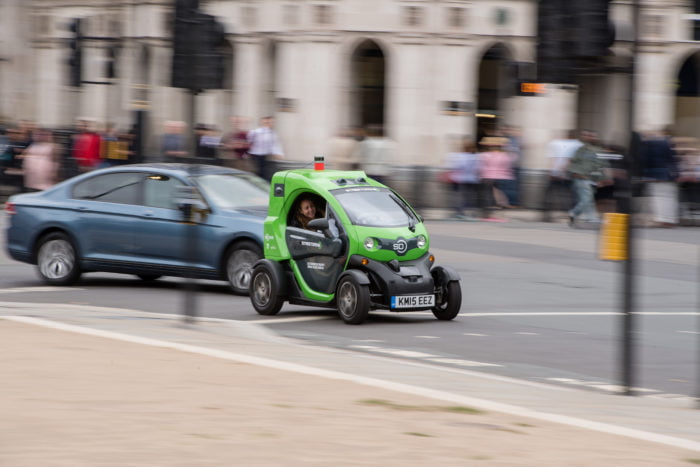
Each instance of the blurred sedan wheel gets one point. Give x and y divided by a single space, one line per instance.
239 265
57 261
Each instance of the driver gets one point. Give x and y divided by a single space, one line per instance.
305 212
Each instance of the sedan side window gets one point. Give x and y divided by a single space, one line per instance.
120 188
161 191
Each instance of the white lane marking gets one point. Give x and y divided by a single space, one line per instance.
474 334
396 352
456 361
527 333
688 332
427 337
579 313
295 319
602 385
377 341
38 289
483 404
401 313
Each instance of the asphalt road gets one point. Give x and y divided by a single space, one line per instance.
537 305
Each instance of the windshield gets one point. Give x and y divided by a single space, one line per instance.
235 191
375 207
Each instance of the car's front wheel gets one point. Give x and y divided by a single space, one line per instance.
448 299
239 262
352 300
264 291
57 261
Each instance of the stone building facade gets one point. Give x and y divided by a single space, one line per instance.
427 70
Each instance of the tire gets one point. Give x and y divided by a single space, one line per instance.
148 277
264 291
352 300
450 299
57 261
239 264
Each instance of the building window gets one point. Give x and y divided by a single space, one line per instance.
456 17
502 16
653 25
250 16
323 14
412 16
42 25
291 15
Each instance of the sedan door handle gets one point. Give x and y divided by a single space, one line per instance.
148 213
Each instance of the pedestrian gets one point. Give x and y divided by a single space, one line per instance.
587 172
10 160
265 147
86 148
660 172
172 145
514 147
376 153
557 194
114 149
208 142
463 176
496 175
342 151
235 145
40 162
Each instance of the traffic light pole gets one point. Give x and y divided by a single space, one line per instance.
628 265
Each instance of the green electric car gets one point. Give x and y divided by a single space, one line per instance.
367 249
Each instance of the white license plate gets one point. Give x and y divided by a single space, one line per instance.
412 301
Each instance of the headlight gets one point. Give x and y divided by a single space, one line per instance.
420 241
370 243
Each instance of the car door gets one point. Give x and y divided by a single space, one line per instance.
162 233
320 256
107 220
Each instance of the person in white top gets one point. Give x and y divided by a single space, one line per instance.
558 192
376 154
39 162
264 146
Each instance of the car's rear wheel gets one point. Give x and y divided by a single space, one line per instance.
57 261
148 277
264 291
352 300
240 259
448 300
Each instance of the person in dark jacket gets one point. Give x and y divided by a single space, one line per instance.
660 172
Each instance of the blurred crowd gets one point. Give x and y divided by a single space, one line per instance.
586 176
483 176
34 158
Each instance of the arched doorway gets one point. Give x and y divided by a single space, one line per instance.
367 101
687 112
492 89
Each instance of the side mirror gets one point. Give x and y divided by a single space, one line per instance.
319 224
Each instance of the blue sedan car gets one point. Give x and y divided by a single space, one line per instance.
128 219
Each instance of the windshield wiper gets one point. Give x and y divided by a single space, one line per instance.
405 209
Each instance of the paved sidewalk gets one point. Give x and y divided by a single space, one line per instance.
85 386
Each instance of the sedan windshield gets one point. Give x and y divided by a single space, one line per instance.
375 207
234 191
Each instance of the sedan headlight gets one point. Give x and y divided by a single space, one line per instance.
370 243
420 241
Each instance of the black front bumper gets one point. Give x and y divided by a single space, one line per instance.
396 278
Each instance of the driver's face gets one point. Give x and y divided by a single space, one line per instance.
307 209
